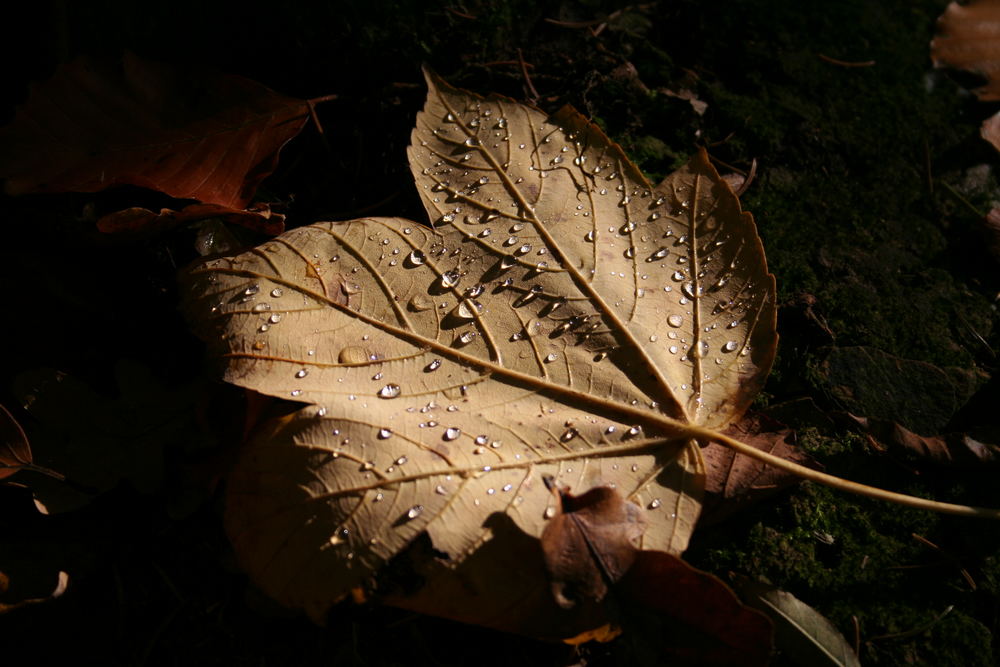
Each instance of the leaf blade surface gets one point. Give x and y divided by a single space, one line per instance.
447 370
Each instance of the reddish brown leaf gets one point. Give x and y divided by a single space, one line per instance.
258 218
591 548
15 453
190 134
703 622
734 480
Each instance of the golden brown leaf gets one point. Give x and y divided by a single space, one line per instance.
561 318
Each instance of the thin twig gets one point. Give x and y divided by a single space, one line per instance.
583 24
496 63
749 179
727 165
927 166
527 79
459 14
917 630
845 63
965 573
962 199
315 119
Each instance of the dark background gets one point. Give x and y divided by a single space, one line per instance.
871 186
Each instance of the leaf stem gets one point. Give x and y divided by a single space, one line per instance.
843 484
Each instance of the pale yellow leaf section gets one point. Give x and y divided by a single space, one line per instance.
675 277
460 434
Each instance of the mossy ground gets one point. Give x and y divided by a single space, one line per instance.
864 201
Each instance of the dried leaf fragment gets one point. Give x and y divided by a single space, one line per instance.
191 135
258 217
955 449
701 620
801 632
967 40
15 453
590 544
734 480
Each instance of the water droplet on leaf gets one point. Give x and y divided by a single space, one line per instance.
389 391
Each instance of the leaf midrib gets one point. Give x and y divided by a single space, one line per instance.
626 413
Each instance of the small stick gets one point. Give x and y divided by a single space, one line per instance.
527 79
962 199
460 14
845 63
917 630
495 63
965 573
927 165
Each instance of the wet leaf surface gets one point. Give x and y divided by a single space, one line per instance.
561 317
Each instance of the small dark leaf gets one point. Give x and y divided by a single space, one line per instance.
590 544
15 453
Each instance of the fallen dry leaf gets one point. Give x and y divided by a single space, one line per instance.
33 561
701 621
562 318
189 134
591 550
735 480
990 130
590 544
800 632
955 449
967 40
698 105
258 217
